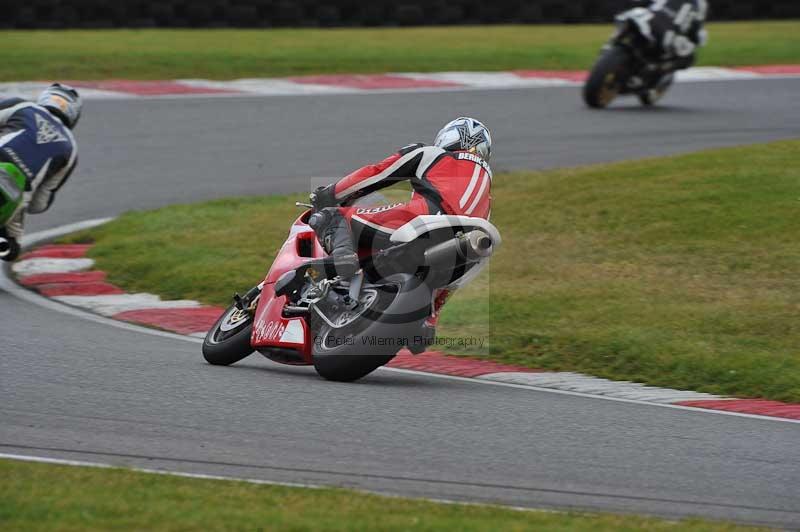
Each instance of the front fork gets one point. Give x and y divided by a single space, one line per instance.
248 302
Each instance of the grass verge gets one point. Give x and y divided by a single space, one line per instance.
680 271
225 54
46 497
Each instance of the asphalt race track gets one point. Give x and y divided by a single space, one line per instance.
76 389
148 153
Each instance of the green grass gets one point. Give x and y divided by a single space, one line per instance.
47 497
680 272
225 54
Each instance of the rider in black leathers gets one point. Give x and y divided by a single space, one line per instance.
676 29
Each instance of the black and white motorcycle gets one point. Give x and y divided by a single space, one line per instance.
648 47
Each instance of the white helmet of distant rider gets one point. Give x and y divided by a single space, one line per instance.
63 101
466 134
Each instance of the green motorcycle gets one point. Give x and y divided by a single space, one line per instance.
12 189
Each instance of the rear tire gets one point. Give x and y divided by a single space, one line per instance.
336 362
653 96
349 368
228 341
606 78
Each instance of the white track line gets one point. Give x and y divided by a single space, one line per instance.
492 80
578 382
7 284
100 465
593 396
268 87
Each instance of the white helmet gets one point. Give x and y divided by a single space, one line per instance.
63 101
465 134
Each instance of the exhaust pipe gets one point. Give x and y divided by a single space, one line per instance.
465 248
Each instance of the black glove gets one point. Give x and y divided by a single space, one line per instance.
9 248
323 197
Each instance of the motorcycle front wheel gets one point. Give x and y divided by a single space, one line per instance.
606 78
228 341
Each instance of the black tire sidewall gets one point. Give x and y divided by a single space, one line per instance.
645 99
335 363
615 59
232 349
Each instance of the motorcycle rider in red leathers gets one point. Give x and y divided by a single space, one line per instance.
450 177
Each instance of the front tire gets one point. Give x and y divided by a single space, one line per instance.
228 341
606 78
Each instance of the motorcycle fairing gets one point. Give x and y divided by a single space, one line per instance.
12 188
641 18
270 327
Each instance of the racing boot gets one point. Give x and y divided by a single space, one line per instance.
10 235
653 95
427 336
9 247
336 238
440 297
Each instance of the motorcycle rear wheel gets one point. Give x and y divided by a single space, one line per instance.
228 341
606 78
654 95
336 362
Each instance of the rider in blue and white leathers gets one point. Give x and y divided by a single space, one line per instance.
37 139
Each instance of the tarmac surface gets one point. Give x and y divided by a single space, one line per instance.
76 389
149 153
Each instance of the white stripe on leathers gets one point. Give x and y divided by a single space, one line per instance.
478 197
474 181
430 153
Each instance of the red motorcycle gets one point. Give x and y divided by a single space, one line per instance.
347 328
